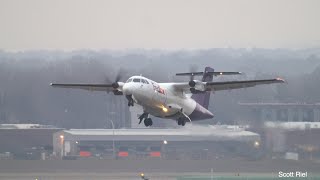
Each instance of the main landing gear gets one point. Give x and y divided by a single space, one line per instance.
183 118
181 122
147 121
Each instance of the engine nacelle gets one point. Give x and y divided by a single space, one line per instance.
117 92
192 83
195 91
115 85
197 86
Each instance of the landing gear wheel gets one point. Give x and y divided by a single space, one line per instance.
130 100
181 122
148 122
130 103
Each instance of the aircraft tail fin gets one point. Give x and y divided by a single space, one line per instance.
204 97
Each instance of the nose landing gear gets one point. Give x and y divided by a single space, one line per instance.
130 100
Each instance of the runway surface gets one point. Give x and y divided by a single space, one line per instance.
121 176
154 169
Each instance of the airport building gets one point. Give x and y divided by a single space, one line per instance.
284 112
288 130
26 141
187 143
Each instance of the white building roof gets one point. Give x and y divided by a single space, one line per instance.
25 126
293 125
211 133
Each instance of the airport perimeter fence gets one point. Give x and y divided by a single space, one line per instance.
245 178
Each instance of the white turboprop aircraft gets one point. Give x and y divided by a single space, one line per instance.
183 101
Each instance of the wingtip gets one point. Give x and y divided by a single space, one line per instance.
280 79
51 84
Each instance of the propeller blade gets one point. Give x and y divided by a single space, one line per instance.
107 80
118 77
120 74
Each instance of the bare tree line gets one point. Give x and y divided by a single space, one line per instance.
26 97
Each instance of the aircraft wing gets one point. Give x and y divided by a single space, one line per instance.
228 85
215 73
225 85
89 87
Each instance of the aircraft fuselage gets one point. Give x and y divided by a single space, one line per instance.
160 100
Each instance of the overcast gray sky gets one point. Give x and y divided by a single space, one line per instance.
163 24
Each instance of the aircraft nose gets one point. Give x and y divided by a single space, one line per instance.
127 89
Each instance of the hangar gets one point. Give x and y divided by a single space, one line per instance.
190 142
26 141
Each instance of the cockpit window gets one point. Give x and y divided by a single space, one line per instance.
129 80
136 80
144 81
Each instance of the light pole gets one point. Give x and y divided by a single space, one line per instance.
113 147
165 142
111 113
62 145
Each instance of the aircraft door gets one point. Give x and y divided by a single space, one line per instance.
145 92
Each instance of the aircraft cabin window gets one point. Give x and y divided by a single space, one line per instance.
147 82
143 81
136 80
